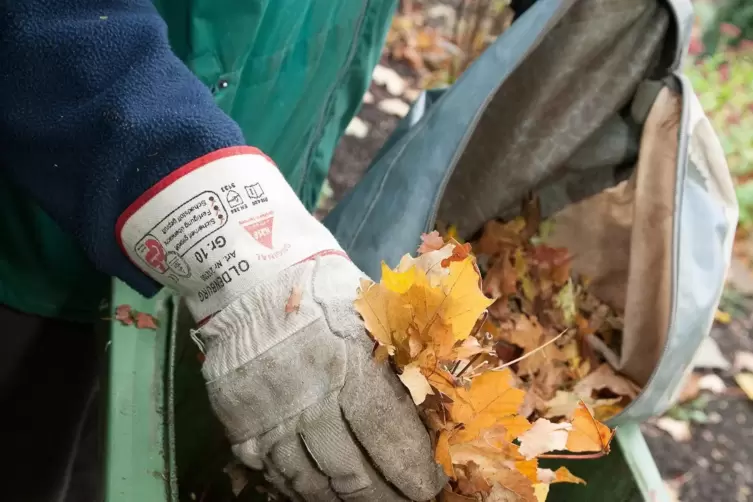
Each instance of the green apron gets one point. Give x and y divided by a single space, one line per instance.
291 72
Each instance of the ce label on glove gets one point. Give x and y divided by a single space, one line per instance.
215 227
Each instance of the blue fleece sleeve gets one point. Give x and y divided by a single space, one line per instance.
94 109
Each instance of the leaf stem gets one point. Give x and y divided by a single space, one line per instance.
526 356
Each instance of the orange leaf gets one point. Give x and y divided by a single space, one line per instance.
294 301
562 475
459 253
528 468
442 454
514 426
490 394
123 314
588 434
512 481
443 381
145 321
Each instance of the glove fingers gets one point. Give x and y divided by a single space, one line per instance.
384 420
297 471
276 479
334 450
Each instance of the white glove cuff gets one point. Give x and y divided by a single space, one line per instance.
218 226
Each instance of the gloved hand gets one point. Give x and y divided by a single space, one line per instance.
302 397
298 392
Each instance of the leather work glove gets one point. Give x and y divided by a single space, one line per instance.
298 391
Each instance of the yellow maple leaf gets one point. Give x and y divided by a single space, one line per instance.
514 426
442 454
407 300
398 282
491 394
529 468
383 313
464 300
587 433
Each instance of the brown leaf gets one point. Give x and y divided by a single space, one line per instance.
605 378
472 482
294 301
513 482
448 495
552 266
565 403
550 378
530 335
501 279
498 237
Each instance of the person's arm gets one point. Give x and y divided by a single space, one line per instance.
94 110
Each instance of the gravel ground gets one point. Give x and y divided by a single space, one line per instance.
715 465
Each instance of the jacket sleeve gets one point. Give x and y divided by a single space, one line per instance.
94 110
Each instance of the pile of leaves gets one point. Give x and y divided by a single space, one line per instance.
440 41
428 320
544 312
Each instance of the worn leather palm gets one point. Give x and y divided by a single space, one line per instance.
302 398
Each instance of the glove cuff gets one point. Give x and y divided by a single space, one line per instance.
219 225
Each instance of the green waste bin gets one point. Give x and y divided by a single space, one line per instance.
164 445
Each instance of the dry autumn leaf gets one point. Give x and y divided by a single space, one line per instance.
588 434
405 299
416 383
145 321
294 301
431 242
543 437
123 314
489 394
604 377
561 475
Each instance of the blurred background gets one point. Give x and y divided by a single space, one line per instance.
704 445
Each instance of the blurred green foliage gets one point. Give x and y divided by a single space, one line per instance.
724 84
737 13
